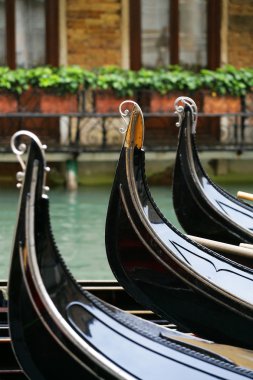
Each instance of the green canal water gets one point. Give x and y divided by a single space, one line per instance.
78 221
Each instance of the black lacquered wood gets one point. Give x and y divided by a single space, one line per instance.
57 328
164 270
203 208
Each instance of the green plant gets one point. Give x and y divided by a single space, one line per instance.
227 80
165 80
121 81
60 80
13 80
176 80
70 79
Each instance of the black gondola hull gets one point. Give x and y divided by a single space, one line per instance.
203 208
58 329
164 270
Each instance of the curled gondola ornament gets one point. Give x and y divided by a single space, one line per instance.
21 149
125 113
179 104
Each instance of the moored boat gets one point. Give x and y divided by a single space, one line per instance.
163 269
202 207
108 291
57 328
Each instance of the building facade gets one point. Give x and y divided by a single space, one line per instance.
130 34
127 33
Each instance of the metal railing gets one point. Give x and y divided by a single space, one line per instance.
85 131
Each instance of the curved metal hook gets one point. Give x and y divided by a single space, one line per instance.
124 114
21 149
180 110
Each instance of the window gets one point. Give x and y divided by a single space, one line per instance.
29 29
192 33
155 33
185 32
30 33
2 34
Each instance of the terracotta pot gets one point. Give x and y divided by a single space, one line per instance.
163 103
36 100
249 102
8 102
221 104
106 101
153 101
52 103
29 100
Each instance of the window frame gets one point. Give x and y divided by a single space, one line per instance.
213 33
52 33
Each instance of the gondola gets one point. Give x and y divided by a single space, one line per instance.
107 290
111 291
203 208
197 288
57 328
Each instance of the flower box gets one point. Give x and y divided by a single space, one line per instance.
163 103
52 103
213 103
8 102
106 101
36 100
153 101
29 100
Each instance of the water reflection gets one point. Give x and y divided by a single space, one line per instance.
78 222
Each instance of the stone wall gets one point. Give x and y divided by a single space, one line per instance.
93 32
240 32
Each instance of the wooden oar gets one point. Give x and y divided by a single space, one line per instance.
245 245
243 195
223 247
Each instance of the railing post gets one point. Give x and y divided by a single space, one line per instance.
71 174
243 118
104 137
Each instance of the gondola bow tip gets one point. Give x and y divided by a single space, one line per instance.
20 148
182 104
134 124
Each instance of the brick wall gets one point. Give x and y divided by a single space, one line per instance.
94 35
240 32
93 32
